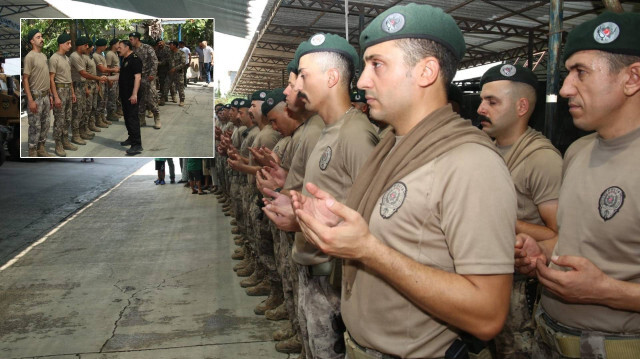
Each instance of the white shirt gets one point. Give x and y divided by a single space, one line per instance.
186 52
208 54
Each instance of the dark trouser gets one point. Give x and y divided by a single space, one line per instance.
207 69
172 168
131 120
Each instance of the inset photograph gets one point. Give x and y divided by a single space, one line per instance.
115 88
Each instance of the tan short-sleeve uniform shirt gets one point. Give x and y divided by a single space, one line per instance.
61 67
334 162
35 66
90 65
112 59
537 179
98 59
456 214
302 148
599 219
77 64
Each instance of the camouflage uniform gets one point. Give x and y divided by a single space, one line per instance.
39 122
88 118
37 69
62 115
112 97
59 64
147 92
164 64
100 100
177 78
79 85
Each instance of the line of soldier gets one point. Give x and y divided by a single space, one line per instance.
77 90
439 240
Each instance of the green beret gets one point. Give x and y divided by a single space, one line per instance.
414 21
610 32
113 42
64 37
135 34
240 103
90 43
151 42
227 106
329 43
82 40
259 95
358 96
101 42
510 72
292 66
273 99
32 33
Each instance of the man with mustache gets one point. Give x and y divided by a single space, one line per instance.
418 273
591 270
36 87
508 100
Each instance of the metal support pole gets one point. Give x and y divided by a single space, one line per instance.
346 19
553 73
530 51
613 5
180 32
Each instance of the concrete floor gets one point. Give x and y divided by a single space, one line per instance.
143 272
186 131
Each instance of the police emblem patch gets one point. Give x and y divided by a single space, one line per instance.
357 97
606 32
263 94
393 23
611 200
317 40
325 158
270 102
393 199
508 70
235 103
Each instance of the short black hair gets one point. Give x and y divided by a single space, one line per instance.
127 43
181 43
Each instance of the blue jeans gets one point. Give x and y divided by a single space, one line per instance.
207 69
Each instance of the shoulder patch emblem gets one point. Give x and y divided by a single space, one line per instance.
325 158
508 70
611 200
393 23
606 32
393 199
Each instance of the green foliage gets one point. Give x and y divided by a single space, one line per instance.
94 28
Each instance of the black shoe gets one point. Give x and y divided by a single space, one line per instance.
126 143
134 150
182 181
173 181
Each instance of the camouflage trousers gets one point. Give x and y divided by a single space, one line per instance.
147 97
516 338
288 271
112 100
62 114
79 107
88 110
177 79
236 203
39 121
319 315
99 107
263 240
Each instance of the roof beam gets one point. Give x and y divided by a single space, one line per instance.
6 10
477 58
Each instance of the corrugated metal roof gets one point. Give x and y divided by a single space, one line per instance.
10 13
494 31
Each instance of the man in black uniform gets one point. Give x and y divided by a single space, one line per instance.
129 84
